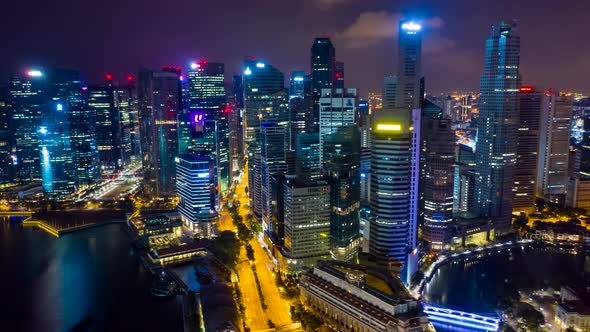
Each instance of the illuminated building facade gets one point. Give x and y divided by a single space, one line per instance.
527 149
7 158
323 71
554 146
265 100
497 125
55 145
159 98
206 92
306 219
28 95
391 219
195 186
338 109
437 176
342 173
410 89
272 162
297 84
116 121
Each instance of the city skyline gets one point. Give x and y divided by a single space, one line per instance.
453 60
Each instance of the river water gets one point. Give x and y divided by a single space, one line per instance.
86 281
476 285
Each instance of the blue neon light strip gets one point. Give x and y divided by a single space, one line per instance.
459 322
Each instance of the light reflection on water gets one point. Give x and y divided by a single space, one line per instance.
85 281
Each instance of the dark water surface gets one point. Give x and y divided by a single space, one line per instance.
86 281
477 284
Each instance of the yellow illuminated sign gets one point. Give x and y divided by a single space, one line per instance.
388 127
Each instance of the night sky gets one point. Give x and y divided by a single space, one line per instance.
118 36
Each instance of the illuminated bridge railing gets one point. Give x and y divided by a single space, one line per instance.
459 318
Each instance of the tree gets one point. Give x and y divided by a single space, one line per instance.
249 252
531 318
244 233
226 248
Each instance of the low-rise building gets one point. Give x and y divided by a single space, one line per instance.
155 231
573 311
560 234
359 298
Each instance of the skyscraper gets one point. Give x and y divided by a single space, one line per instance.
323 71
265 97
7 162
306 220
55 145
527 150
272 161
337 110
265 100
341 166
437 178
554 146
28 94
297 84
195 185
389 92
159 104
112 106
206 92
498 124
391 172
410 90
72 91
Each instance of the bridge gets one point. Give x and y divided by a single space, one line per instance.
480 322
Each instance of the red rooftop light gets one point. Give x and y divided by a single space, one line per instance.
527 88
108 76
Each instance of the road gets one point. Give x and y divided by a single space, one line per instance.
277 307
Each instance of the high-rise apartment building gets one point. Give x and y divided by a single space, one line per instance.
497 125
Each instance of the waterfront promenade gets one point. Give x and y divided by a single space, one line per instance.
58 223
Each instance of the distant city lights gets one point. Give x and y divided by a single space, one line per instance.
260 65
247 71
59 107
43 130
195 65
298 79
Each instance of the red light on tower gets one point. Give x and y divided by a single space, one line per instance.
526 89
130 78
108 77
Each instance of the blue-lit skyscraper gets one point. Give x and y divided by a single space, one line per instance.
497 125
195 185
410 91
55 145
